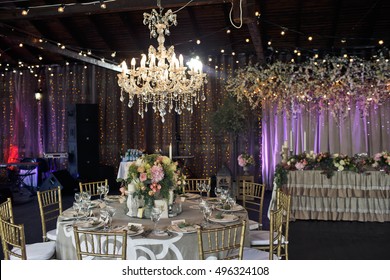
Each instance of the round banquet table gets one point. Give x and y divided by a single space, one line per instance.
172 246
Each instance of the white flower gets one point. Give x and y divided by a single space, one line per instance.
342 162
341 168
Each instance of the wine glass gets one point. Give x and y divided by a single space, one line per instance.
155 216
217 192
76 208
86 196
100 191
207 188
105 217
77 197
106 190
111 212
207 210
200 188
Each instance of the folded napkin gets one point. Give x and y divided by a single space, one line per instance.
134 228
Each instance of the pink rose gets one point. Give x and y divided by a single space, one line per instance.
143 177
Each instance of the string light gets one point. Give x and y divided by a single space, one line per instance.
61 9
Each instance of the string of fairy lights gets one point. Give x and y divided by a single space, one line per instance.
297 53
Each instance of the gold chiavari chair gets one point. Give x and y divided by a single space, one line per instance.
50 207
102 245
261 238
275 234
14 244
92 187
252 200
191 185
222 243
6 212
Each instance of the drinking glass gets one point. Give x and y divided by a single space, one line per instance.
77 197
155 216
207 210
207 188
76 208
100 191
86 196
111 212
105 217
106 190
200 188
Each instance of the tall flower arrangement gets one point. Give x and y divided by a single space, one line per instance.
245 160
154 176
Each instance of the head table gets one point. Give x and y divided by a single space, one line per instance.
169 246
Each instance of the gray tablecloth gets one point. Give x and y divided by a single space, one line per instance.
347 196
176 246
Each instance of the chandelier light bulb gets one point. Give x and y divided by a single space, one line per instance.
61 9
25 12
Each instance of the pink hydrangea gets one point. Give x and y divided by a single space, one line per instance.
241 161
157 173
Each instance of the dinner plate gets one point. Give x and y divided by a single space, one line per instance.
186 229
226 218
89 224
71 215
233 209
135 233
113 198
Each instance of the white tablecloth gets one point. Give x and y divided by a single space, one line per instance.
123 169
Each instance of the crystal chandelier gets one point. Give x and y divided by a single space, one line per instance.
162 79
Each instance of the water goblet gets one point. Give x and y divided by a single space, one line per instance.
76 208
207 211
155 216
100 191
106 191
207 188
86 196
105 217
111 212
77 197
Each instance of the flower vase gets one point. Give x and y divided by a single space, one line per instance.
163 203
246 170
148 209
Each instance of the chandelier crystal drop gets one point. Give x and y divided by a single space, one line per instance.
162 78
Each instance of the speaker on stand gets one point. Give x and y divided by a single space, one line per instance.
62 179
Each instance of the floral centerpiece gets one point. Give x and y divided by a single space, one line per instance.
331 163
245 160
153 177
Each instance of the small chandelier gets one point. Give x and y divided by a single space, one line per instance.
162 79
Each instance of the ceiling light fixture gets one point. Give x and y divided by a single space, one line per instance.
25 12
103 5
162 79
61 9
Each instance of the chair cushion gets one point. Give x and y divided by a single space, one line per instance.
253 225
52 234
260 238
38 251
254 254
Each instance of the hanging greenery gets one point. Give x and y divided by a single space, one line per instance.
333 84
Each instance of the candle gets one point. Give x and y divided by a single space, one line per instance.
170 150
304 141
285 144
291 143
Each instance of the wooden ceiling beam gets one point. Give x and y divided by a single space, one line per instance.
112 7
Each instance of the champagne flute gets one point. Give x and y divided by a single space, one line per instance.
155 216
76 208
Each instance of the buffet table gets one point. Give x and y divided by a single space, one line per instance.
346 196
169 246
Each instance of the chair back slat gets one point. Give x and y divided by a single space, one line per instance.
253 199
222 242
100 244
92 187
50 207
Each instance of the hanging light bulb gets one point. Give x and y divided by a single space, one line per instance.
61 8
